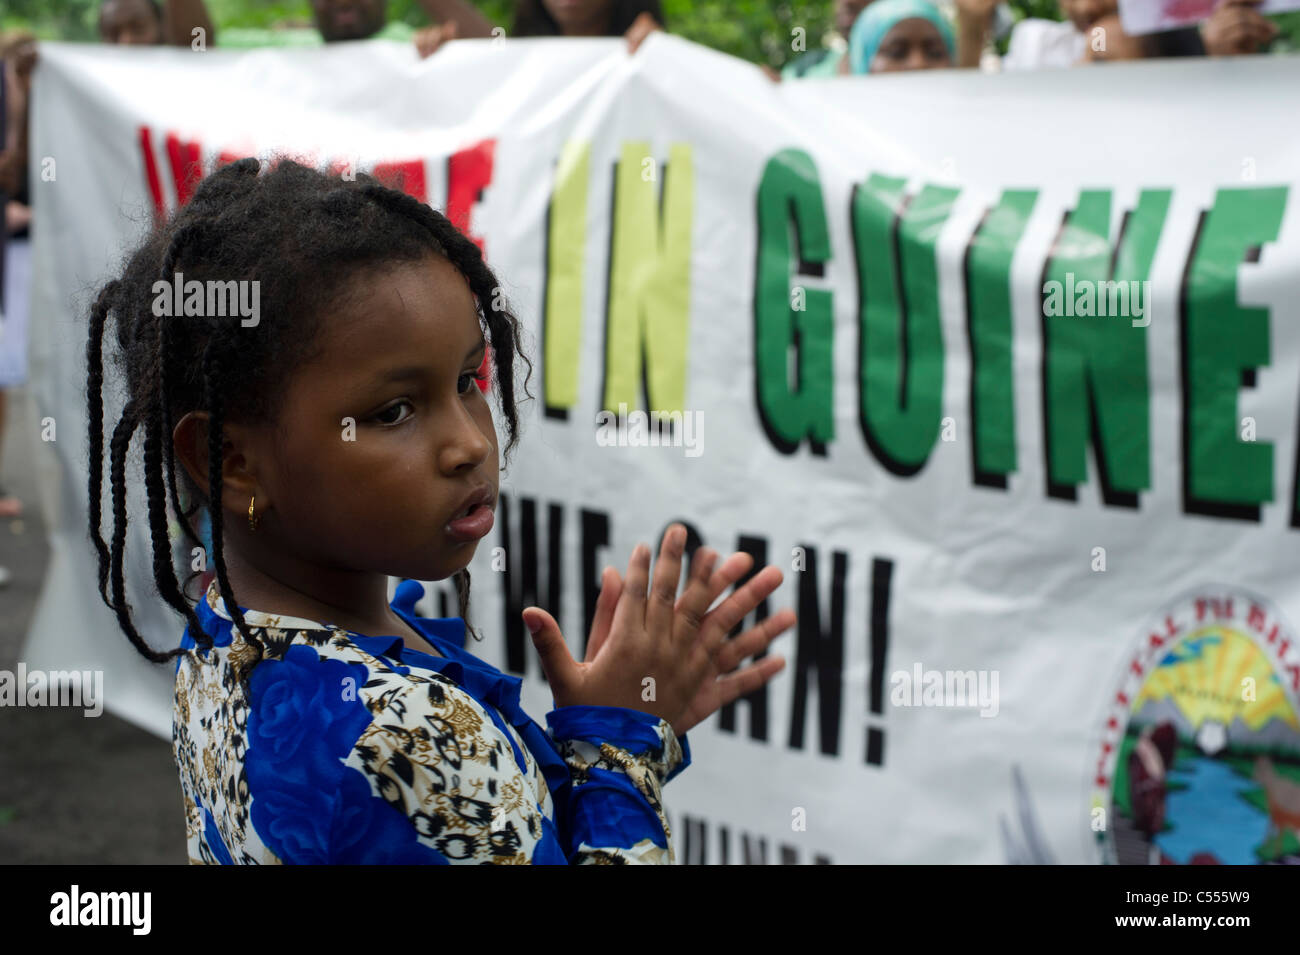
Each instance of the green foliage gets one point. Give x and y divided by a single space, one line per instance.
756 30
1288 25
271 13
1042 9
53 19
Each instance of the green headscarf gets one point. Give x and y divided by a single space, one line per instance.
880 17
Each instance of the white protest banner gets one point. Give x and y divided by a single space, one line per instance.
1001 370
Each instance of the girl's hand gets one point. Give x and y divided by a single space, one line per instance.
694 649
720 685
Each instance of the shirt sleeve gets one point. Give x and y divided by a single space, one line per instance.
434 779
619 761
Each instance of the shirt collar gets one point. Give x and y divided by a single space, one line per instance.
438 630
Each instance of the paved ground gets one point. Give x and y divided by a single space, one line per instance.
72 789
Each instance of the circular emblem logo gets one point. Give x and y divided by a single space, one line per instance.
1198 760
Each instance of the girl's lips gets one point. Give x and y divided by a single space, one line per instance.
473 525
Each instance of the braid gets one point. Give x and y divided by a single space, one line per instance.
215 359
164 570
117 449
165 357
117 475
95 431
461 580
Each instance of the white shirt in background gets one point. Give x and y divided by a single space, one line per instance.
1044 44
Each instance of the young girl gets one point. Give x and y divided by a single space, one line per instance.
336 436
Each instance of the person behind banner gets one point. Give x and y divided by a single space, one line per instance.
1110 43
634 20
338 438
342 20
1235 27
892 36
147 23
17 60
121 23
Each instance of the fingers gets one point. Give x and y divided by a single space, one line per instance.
631 607
425 42
611 585
690 610
735 685
641 27
723 618
561 669
732 569
1239 28
754 640
430 39
668 574
707 638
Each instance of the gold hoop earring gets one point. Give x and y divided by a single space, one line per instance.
252 521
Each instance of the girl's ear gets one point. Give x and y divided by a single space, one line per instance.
190 443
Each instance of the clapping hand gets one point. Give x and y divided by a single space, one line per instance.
661 654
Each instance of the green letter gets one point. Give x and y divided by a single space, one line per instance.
790 193
901 351
1095 364
1220 341
988 317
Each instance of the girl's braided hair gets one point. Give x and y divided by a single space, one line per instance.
303 235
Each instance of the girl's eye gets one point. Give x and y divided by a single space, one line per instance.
380 417
472 377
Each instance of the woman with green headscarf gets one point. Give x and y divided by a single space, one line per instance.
893 35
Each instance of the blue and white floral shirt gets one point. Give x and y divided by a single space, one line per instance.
341 748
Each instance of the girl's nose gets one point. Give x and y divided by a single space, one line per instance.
468 445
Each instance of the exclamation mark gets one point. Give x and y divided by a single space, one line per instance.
881 572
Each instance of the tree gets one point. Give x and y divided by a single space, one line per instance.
756 30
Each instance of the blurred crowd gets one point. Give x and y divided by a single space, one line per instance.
871 36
